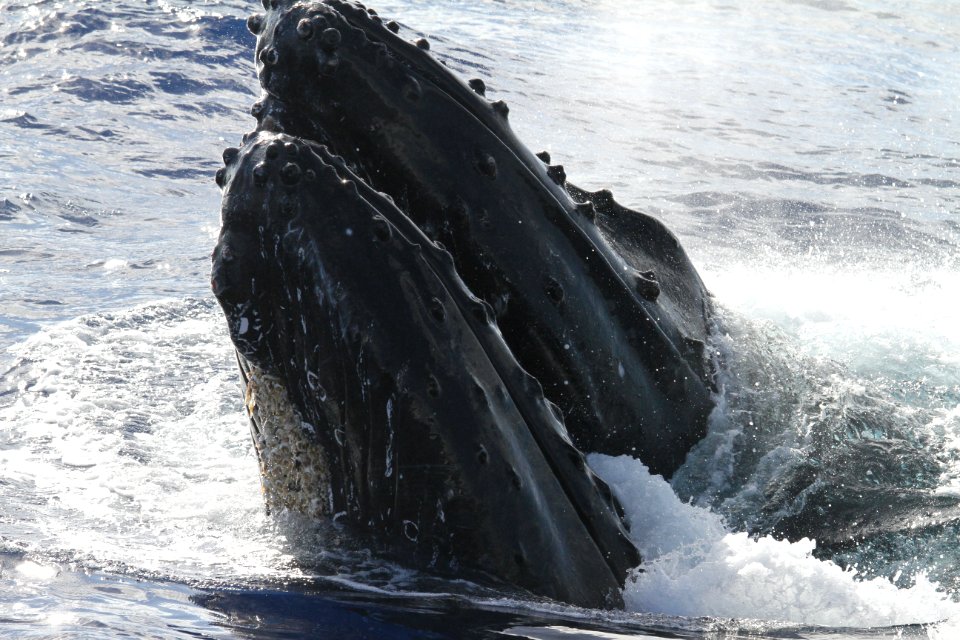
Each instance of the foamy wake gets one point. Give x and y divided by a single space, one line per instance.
694 566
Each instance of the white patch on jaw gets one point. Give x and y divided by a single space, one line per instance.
314 381
294 472
389 463
244 325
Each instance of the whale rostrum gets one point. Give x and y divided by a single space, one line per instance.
433 325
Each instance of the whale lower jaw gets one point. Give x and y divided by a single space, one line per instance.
428 434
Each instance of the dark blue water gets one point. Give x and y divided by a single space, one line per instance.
806 153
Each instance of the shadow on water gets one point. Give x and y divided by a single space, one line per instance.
297 614
42 599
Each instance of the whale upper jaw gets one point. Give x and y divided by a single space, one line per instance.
635 377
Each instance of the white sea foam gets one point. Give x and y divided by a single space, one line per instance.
128 433
695 566
126 447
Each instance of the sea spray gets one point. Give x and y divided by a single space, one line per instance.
895 320
694 565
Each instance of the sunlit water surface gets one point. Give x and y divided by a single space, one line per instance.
807 154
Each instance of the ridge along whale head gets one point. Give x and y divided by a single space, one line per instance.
381 393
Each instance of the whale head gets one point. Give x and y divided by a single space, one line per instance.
382 394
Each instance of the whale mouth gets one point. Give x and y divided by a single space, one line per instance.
430 329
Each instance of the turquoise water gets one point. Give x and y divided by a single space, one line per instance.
806 153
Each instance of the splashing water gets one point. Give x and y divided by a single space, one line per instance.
124 432
694 565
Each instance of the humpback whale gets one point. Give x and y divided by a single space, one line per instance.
432 324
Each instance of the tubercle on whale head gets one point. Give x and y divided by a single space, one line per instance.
304 38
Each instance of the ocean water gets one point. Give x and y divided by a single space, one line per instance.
807 154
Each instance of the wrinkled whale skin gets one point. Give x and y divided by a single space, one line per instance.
437 441
599 303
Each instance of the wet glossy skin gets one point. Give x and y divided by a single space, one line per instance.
402 290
